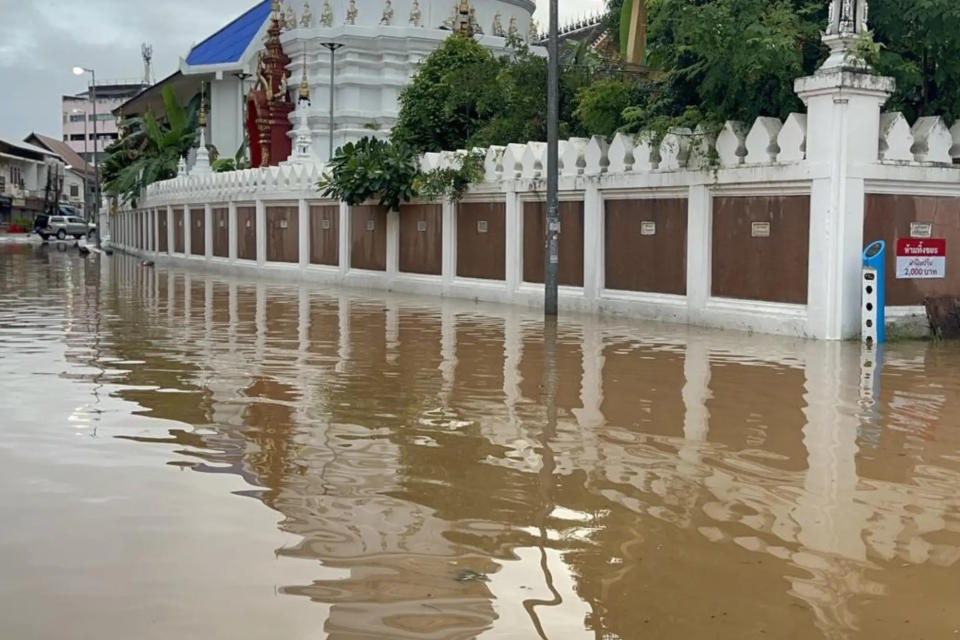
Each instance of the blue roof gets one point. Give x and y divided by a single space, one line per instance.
229 44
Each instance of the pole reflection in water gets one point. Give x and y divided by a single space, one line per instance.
450 470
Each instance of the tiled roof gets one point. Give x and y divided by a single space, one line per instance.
62 149
229 44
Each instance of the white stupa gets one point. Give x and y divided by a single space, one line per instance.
381 41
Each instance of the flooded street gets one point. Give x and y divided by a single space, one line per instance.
189 456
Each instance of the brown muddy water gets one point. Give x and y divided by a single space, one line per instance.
188 456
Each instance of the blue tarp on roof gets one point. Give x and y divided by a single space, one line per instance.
228 44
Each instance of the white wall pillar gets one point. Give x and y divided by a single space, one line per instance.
345 245
187 231
261 233
303 226
232 231
842 132
393 246
593 245
170 230
208 231
699 250
514 240
449 245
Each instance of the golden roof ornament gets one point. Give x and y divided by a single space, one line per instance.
306 21
352 12
304 81
464 25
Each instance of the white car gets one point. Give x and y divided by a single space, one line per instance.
61 227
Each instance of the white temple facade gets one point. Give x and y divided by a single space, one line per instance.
381 43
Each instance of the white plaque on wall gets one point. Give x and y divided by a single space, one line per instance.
760 230
482 226
648 228
921 230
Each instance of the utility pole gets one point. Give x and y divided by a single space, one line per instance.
553 206
332 46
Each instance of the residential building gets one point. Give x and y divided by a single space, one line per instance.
30 178
78 175
78 117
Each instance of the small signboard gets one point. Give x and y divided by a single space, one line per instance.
921 230
482 226
371 225
421 226
325 224
760 230
648 228
920 259
283 224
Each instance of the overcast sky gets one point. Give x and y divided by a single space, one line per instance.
41 41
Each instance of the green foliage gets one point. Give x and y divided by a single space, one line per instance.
452 183
236 163
921 50
447 100
601 105
372 169
151 149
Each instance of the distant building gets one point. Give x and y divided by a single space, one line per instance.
78 117
30 178
78 175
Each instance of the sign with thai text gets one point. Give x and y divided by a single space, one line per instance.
921 258
648 228
921 230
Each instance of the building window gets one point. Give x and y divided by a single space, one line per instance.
77 137
16 177
77 117
100 117
74 191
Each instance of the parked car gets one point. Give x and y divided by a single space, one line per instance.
62 226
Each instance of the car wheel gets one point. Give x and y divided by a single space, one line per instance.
61 235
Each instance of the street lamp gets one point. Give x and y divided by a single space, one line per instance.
553 163
79 71
86 154
332 46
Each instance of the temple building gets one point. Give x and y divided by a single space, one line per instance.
370 48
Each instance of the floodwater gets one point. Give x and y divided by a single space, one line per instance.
188 456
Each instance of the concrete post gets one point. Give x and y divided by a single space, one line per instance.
699 250
843 120
345 244
232 231
188 232
449 245
303 226
514 240
393 246
261 233
170 230
207 231
593 245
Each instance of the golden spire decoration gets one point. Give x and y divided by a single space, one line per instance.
304 81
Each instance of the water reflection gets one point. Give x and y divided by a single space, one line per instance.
462 471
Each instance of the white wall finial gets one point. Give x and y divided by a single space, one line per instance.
847 21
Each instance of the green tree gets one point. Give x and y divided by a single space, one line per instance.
447 101
151 149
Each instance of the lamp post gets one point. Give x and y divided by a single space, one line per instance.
553 125
86 153
332 46
79 71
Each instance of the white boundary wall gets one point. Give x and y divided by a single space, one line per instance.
839 152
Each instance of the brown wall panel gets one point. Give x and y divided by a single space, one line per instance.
198 232
325 235
221 232
283 233
162 245
888 218
772 269
421 239
651 263
368 232
246 233
570 271
482 255
178 246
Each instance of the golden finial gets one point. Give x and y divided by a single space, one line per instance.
304 81
202 116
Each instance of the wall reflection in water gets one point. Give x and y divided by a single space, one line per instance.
646 481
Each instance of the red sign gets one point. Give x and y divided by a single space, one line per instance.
921 258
